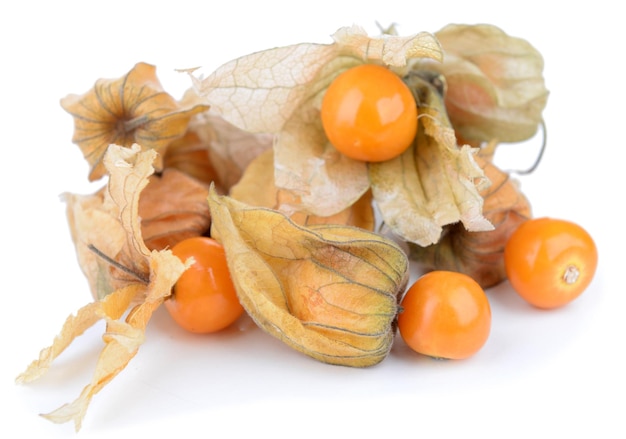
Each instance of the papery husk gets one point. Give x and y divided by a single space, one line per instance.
435 182
324 181
131 110
124 299
108 221
214 150
157 212
480 254
192 155
259 92
279 91
257 188
495 84
173 207
229 149
328 291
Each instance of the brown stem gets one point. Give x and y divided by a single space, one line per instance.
540 156
117 265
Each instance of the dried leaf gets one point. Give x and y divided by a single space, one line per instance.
172 207
257 188
124 111
480 254
433 183
328 291
495 83
129 170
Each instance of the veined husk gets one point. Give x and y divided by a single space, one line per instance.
435 182
480 254
127 111
106 230
257 188
416 196
280 90
495 84
328 291
172 207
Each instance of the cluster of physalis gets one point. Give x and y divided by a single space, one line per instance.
298 185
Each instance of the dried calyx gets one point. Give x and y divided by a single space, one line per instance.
330 291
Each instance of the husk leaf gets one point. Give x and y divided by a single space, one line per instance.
124 111
328 291
109 221
324 181
279 91
190 154
230 149
434 182
259 92
480 254
257 188
172 207
139 293
496 88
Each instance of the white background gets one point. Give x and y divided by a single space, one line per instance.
541 374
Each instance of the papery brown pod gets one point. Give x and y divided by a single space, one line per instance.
191 155
480 254
173 207
133 109
328 291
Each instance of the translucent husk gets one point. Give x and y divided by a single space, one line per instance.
124 299
133 109
328 291
495 84
257 188
480 254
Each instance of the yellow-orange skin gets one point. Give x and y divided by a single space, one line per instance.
204 299
538 254
369 114
445 315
